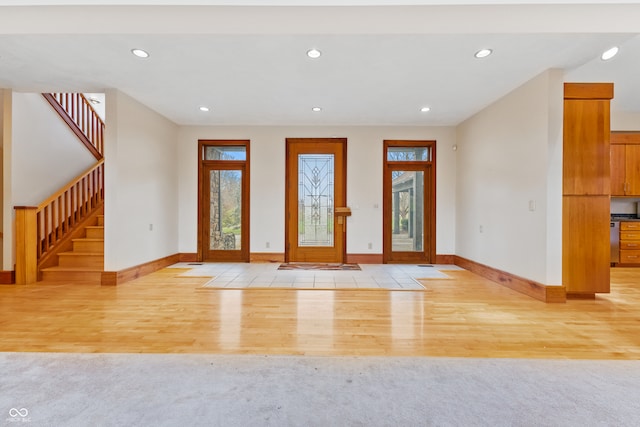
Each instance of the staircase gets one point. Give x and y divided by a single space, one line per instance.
50 231
85 262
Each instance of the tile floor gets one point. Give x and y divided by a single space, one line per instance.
267 275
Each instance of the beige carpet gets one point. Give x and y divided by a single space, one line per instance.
41 389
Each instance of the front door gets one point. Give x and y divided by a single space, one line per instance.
316 200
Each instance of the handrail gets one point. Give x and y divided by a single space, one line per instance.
59 214
82 119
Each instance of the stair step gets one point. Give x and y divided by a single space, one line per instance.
81 259
88 245
71 274
100 220
95 231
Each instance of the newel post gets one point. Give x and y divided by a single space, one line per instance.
26 245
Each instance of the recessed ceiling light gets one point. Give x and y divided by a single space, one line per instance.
314 53
425 109
483 53
607 55
140 53
205 109
316 109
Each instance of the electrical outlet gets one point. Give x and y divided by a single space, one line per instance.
370 245
150 227
267 245
481 228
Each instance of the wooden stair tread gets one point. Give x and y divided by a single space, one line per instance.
88 239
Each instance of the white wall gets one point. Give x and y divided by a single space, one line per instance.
46 154
141 184
510 154
364 181
621 120
6 243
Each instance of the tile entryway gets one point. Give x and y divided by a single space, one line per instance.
266 275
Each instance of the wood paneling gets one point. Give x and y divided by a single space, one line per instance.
585 244
464 315
528 287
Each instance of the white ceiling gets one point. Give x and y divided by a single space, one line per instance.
379 64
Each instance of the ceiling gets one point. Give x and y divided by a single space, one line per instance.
379 64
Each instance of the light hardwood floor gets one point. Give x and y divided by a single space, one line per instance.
465 316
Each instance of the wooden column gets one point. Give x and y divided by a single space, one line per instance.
586 189
26 245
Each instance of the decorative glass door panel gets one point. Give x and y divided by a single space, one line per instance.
407 207
315 204
225 210
315 200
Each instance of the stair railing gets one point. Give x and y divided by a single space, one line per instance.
82 119
39 230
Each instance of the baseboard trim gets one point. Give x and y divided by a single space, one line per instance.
113 278
445 259
528 287
364 259
7 277
188 257
266 257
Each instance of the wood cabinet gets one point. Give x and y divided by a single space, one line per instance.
586 251
625 164
630 242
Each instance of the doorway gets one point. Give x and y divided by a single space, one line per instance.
315 200
223 201
409 202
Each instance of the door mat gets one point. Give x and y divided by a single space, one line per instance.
316 266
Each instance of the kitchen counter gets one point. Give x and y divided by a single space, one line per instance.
624 217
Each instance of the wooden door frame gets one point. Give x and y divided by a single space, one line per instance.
429 168
289 141
202 166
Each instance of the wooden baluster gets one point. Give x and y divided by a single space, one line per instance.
54 223
72 205
59 218
47 229
94 184
39 234
26 245
67 218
